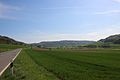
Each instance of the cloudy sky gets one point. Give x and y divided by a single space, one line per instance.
42 20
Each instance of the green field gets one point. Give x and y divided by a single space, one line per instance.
88 64
7 47
26 69
80 65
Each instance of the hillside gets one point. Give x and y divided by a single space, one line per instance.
65 43
115 39
8 40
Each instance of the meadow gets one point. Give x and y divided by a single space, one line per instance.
80 65
7 47
24 67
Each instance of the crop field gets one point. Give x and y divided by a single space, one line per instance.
79 65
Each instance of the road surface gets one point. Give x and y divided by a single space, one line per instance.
6 58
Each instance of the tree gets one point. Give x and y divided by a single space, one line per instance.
91 46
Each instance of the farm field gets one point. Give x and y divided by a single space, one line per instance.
80 65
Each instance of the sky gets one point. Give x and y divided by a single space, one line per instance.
50 20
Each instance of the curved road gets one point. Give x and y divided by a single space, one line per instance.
6 58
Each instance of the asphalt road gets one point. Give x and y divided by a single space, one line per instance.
6 58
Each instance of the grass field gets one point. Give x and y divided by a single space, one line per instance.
7 47
26 69
87 64
80 65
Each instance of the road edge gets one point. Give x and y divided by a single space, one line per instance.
10 62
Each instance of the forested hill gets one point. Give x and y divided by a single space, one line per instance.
65 43
8 40
115 39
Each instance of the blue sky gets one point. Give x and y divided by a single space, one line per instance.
42 20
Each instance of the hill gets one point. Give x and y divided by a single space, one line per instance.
8 40
64 43
115 39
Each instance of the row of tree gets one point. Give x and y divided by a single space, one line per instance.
98 45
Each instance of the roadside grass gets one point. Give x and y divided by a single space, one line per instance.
80 65
26 69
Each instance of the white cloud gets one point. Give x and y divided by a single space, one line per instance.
108 12
37 36
54 8
8 17
8 7
55 37
116 1
5 9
